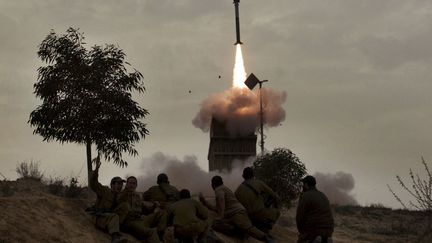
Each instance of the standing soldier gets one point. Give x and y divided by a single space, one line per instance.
253 195
314 217
134 223
108 214
189 218
231 212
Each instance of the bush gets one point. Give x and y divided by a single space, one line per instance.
421 191
56 186
282 170
29 169
73 190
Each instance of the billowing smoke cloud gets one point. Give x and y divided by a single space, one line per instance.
337 187
239 109
186 173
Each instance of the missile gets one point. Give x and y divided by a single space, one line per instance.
237 20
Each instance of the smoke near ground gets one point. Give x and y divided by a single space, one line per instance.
186 173
239 108
337 187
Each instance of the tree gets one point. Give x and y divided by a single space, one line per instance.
86 97
421 190
282 170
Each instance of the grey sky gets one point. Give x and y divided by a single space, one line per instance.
357 76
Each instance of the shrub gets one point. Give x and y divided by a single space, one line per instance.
73 190
421 191
29 169
282 170
56 186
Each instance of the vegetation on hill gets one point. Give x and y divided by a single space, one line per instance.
87 97
282 170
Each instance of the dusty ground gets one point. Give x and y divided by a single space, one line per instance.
29 213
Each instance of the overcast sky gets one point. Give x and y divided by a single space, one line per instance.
357 76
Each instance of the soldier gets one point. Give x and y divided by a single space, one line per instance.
253 195
163 193
231 212
108 214
189 218
314 217
134 223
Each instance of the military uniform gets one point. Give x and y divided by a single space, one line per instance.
314 217
163 193
251 195
234 214
189 218
134 223
108 213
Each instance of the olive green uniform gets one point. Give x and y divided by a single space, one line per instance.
163 193
134 223
109 214
250 195
190 218
314 217
234 214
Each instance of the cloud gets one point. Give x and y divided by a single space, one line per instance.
337 187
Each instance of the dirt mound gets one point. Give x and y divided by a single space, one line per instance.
29 213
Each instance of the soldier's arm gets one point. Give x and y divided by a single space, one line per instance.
202 211
205 203
265 188
220 204
269 191
147 195
95 185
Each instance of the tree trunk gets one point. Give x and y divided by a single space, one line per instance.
89 161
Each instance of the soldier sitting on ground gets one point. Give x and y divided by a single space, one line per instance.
231 213
314 217
254 194
108 214
189 218
163 193
135 223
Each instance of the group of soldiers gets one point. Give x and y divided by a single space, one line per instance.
165 214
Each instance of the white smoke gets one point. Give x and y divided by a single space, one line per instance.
187 174
337 187
239 108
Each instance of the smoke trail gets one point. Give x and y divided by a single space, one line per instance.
186 173
239 109
337 187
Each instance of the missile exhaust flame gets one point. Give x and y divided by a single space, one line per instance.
239 72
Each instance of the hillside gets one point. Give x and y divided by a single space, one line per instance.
29 213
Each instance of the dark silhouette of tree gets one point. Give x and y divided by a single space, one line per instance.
86 97
282 170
